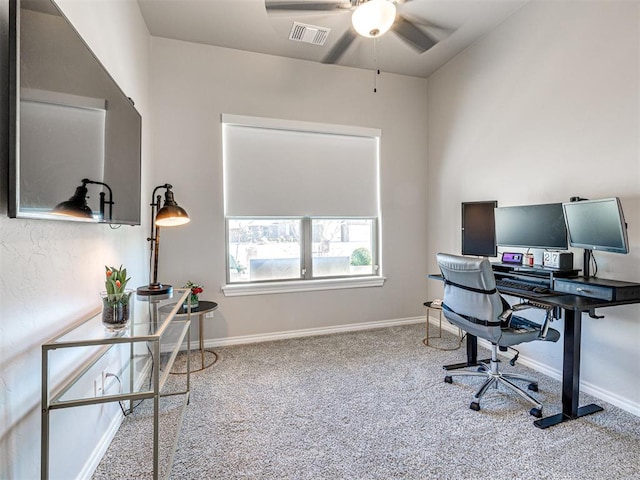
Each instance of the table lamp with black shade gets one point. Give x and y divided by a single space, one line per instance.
77 206
170 215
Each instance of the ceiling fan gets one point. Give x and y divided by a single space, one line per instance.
370 18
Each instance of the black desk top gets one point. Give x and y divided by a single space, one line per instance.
576 303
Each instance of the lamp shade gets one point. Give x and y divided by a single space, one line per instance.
171 214
374 18
76 206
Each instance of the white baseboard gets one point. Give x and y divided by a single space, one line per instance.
586 387
96 456
308 332
612 398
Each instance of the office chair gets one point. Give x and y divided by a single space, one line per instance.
472 303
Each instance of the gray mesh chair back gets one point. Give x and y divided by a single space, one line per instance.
471 300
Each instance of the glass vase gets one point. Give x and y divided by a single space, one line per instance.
116 310
194 303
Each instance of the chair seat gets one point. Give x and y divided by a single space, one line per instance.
522 330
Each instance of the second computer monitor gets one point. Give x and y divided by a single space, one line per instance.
597 225
531 226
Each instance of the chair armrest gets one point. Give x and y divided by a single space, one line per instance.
544 328
527 305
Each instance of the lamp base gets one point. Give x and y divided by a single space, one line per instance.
154 289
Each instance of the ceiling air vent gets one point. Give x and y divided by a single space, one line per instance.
301 32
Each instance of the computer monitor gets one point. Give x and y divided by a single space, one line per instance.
531 226
478 229
597 225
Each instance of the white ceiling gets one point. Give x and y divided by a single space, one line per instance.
246 25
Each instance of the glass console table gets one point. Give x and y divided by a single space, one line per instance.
88 365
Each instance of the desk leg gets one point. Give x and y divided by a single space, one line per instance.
570 376
472 355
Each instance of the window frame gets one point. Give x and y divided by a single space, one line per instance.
308 258
307 281
228 253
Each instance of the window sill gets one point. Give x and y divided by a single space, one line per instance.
240 289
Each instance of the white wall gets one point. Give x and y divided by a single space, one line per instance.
52 272
547 107
192 85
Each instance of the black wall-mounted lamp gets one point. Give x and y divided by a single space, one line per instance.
170 215
77 206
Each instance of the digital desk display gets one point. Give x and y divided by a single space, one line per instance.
512 258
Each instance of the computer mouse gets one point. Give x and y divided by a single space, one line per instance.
541 290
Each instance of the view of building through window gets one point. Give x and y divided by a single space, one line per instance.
342 247
275 248
264 249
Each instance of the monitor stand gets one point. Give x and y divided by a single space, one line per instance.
586 263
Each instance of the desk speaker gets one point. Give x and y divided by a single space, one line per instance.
559 260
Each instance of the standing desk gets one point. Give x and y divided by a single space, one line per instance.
573 307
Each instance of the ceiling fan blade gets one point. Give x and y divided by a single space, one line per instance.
340 47
411 34
280 5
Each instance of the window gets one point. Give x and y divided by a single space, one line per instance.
264 249
269 249
301 201
342 247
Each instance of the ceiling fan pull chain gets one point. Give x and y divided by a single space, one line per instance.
375 63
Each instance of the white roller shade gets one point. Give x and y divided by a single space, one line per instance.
282 168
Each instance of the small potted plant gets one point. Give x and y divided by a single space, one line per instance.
115 299
195 291
361 261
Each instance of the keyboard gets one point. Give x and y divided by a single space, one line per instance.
508 285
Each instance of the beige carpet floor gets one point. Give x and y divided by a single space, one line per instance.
369 405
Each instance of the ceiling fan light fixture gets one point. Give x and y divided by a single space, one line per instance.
374 18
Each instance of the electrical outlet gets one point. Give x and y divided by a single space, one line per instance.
208 315
98 385
105 372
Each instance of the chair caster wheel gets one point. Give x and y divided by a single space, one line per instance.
536 412
476 406
448 379
533 387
